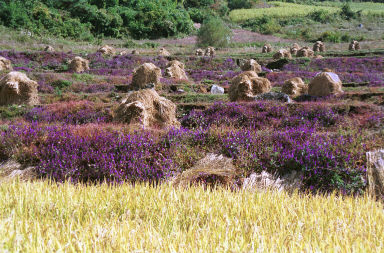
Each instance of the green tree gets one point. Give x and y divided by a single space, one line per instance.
214 32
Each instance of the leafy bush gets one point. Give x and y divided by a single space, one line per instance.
85 19
199 15
348 13
336 37
214 32
197 3
239 4
264 24
321 16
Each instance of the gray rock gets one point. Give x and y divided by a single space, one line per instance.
276 96
215 89
11 169
265 180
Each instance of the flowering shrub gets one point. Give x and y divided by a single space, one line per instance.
262 115
76 113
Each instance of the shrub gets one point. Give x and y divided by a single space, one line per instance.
265 24
321 16
214 32
348 13
239 4
199 15
197 3
336 37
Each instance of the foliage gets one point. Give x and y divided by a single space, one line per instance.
197 3
83 19
239 4
347 13
214 32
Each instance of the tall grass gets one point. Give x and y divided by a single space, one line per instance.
47 217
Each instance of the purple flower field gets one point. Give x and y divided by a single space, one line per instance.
351 70
325 139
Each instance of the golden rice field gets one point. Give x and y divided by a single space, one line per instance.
283 9
47 217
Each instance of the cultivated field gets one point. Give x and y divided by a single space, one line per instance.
102 182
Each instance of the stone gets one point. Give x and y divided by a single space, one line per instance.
215 89
264 181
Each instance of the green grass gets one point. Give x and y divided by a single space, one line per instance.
283 9
280 9
48 217
197 98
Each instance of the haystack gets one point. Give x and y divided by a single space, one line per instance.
107 50
49 49
282 53
144 75
354 45
199 52
305 52
210 51
267 48
212 170
325 84
124 52
17 88
250 65
318 57
295 47
246 85
145 108
136 52
175 69
295 87
319 46
5 64
164 52
79 64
